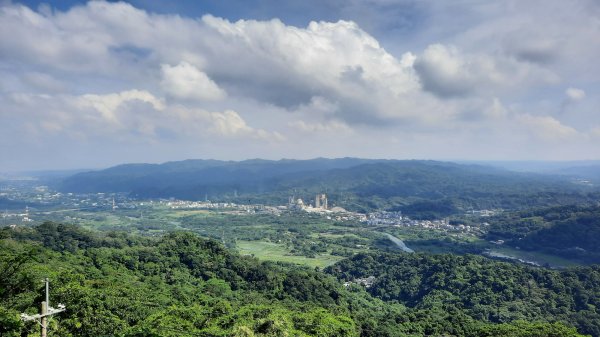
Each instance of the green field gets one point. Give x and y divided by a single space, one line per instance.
180 213
276 252
299 238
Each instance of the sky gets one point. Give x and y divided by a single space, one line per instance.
95 84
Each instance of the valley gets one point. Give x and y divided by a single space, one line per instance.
417 258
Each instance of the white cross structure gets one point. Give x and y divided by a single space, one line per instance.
47 311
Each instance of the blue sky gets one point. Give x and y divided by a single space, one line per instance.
93 84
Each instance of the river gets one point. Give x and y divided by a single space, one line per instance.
399 243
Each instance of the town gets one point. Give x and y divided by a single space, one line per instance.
39 203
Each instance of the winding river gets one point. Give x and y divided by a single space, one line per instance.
399 243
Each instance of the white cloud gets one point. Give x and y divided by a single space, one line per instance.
131 115
250 84
292 65
326 127
109 104
527 31
176 119
447 72
575 94
546 128
444 72
229 123
496 110
188 82
267 61
318 107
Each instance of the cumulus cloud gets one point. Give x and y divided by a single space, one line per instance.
288 66
528 32
109 104
327 127
447 72
127 115
546 128
319 107
209 79
266 61
230 124
536 49
575 94
188 82
116 109
444 72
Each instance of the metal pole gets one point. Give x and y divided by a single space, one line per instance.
45 306
47 311
47 292
44 319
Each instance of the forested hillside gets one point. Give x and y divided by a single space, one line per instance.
115 284
195 178
569 231
425 189
484 289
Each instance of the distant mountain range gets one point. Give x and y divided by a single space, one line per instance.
414 186
581 169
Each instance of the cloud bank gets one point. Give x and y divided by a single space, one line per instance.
112 76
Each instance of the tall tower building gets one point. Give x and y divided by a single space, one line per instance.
321 201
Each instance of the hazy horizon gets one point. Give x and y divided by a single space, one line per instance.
518 165
97 84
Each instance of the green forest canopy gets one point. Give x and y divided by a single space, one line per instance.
115 284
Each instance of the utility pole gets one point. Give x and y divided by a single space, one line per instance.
46 312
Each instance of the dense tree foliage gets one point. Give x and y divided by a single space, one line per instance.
182 285
570 231
484 289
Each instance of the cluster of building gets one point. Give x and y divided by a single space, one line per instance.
229 207
385 218
321 206
16 216
42 195
396 219
182 204
367 282
484 212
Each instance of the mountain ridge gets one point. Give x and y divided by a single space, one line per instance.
354 183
